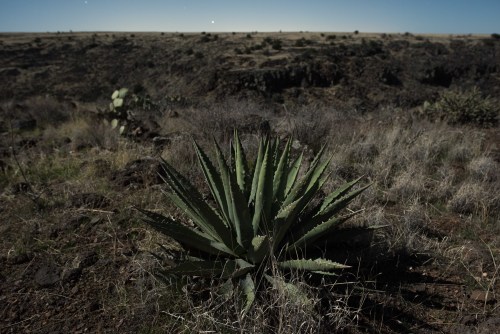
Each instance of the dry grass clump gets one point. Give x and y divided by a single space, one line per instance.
292 307
473 198
88 134
48 111
409 184
484 168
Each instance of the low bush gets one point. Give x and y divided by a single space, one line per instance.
464 107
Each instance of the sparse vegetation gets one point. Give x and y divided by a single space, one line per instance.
75 255
464 107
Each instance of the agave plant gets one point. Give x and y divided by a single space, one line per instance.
260 214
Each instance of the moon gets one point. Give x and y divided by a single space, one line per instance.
213 21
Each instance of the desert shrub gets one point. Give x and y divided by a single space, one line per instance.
464 107
484 168
277 44
205 39
86 134
264 217
495 36
468 199
302 42
47 111
198 55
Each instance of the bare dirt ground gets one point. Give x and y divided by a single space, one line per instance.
74 254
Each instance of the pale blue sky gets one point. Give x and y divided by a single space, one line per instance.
418 16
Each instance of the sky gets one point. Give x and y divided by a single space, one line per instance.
415 16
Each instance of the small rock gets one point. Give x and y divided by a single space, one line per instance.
71 274
47 275
482 296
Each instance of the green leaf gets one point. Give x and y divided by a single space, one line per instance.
292 173
300 188
241 165
186 197
259 249
341 191
312 265
118 102
263 198
289 215
291 291
214 181
185 235
237 268
122 93
280 174
256 172
242 220
320 230
225 175
338 205
247 286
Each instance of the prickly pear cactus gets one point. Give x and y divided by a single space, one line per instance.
119 110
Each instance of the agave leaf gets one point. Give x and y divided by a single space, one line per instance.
300 188
259 249
226 289
242 220
237 268
341 191
256 172
185 196
318 175
214 181
289 214
318 231
275 152
241 166
338 205
292 173
247 286
225 175
290 290
185 235
312 265
262 196
280 175
324 273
